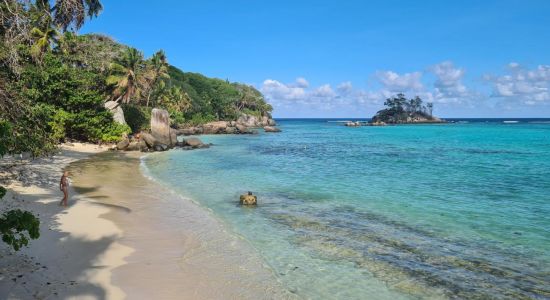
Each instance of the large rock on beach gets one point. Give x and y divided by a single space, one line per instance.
191 131
160 126
173 137
271 129
248 199
116 110
160 147
133 146
123 144
148 139
243 129
142 146
248 120
230 130
195 143
264 121
215 127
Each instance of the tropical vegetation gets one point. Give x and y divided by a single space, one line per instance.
399 109
54 83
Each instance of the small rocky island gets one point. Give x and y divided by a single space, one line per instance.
400 110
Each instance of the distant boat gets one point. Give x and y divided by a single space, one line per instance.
510 122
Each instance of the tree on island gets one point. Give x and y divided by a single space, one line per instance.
399 109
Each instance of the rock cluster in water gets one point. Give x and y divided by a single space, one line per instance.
146 142
359 123
245 124
162 137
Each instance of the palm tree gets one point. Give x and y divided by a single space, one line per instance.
181 99
44 39
67 12
158 71
126 75
430 107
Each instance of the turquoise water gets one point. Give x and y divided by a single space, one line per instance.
398 212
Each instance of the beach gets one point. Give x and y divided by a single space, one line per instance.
122 236
77 248
370 209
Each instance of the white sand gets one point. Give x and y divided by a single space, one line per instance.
123 236
77 249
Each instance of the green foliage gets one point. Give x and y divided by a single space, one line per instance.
176 117
58 124
54 82
2 192
113 132
216 98
199 118
400 109
69 100
27 134
5 129
251 112
126 75
137 117
17 227
93 52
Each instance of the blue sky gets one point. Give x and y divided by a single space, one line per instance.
343 58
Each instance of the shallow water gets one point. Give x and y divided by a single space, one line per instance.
179 250
399 212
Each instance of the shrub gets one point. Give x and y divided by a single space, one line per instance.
114 132
176 117
17 227
137 117
58 124
252 112
5 129
199 118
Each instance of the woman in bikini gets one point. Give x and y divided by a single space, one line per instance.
64 187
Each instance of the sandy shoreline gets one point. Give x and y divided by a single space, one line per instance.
71 259
123 236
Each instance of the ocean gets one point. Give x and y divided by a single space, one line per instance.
439 211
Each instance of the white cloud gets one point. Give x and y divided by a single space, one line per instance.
528 86
277 90
345 87
400 83
448 86
301 82
518 86
324 91
323 97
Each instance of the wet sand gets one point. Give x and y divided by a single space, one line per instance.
179 250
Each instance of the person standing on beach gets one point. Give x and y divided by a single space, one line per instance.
64 187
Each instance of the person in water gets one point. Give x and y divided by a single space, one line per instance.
64 187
